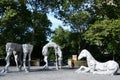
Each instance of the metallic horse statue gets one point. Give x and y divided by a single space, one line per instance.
58 54
110 67
27 50
17 50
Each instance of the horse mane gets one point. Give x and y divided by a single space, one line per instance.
89 55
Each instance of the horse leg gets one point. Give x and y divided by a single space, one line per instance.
24 62
7 59
60 62
83 69
46 62
29 60
16 59
56 62
78 70
20 60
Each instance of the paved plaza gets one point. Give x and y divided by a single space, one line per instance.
37 73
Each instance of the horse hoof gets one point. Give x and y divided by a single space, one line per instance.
27 71
2 71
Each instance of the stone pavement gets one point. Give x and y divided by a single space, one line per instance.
37 73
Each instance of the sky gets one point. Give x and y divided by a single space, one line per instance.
56 22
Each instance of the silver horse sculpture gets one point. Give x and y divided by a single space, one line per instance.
58 54
27 50
110 67
17 50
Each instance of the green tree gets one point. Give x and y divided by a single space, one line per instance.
40 23
21 25
61 37
67 40
106 35
82 14
14 22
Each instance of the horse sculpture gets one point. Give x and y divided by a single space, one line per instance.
17 50
58 54
27 50
110 67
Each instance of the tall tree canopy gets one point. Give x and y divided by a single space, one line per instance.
93 21
105 34
22 25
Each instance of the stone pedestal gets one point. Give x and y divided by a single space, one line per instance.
70 63
35 62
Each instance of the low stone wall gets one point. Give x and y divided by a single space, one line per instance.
80 63
35 62
12 62
76 63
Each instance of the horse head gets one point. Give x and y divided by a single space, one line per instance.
82 54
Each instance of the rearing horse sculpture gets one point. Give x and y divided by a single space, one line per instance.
110 67
58 54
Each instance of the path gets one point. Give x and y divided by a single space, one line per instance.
37 73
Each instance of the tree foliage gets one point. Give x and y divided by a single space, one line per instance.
20 25
105 34
69 42
97 21
25 21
